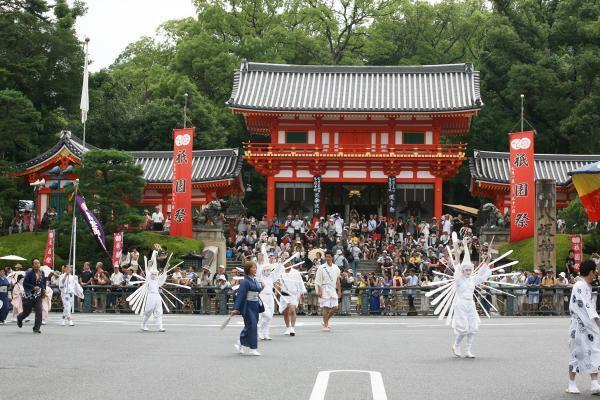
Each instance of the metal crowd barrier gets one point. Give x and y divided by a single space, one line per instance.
355 301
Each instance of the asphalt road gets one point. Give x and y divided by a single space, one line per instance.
108 357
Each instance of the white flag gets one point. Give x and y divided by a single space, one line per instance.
85 101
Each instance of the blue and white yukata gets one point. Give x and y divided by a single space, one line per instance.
585 334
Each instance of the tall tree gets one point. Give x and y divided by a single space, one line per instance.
110 180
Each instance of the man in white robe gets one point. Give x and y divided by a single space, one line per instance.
68 284
291 287
327 282
153 306
465 319
584 330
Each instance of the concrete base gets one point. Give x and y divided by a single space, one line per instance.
212 235
499 235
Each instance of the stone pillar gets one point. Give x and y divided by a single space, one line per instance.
545 224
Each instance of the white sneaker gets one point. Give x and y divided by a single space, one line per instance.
261 336
43 322
572 389
240 349
287 331
252 352
71 323
469 354
161 329
456 351
268 337
145 328
292 331
62 322
595 388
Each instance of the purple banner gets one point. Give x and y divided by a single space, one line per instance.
91 221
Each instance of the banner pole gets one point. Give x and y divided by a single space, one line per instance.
74 237
522 111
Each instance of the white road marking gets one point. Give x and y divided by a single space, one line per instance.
322 381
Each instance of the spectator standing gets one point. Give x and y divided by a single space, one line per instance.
100 279
570 263
533 290
412 281
157 219
347 282
340 260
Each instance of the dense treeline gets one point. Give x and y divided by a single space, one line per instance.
548 50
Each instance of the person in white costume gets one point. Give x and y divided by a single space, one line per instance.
69 286
154 305
327 282
584 330
291 287
465 320
152 295
265 274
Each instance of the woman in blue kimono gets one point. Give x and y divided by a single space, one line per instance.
247 303
4 296
374 300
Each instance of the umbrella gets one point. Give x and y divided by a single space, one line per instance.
13 258
312 254
587 182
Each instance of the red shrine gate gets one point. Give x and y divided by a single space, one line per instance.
374 139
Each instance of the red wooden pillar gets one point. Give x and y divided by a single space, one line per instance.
270 197
437 198
165 203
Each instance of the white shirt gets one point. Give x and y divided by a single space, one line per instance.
157 217
326 278
447 226
116 279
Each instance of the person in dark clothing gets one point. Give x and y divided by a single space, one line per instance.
34 286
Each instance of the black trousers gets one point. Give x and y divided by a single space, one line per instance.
28 306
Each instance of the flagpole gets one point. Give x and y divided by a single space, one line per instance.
85 102
74 236
522 110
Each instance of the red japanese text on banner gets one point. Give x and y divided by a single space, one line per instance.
117 249
522 186
181 210
577 247
49 252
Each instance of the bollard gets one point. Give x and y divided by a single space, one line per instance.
510 306
365 303
88 294
222 302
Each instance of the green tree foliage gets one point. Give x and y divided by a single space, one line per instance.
19 125
574 216
109 179
547 50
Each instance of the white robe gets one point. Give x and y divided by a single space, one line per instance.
465 319
153 300
266 276
293 285
585 334
68 287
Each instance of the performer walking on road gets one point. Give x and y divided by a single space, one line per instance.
329 289
34 285
247 304
585 330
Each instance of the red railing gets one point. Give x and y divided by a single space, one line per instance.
356 150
